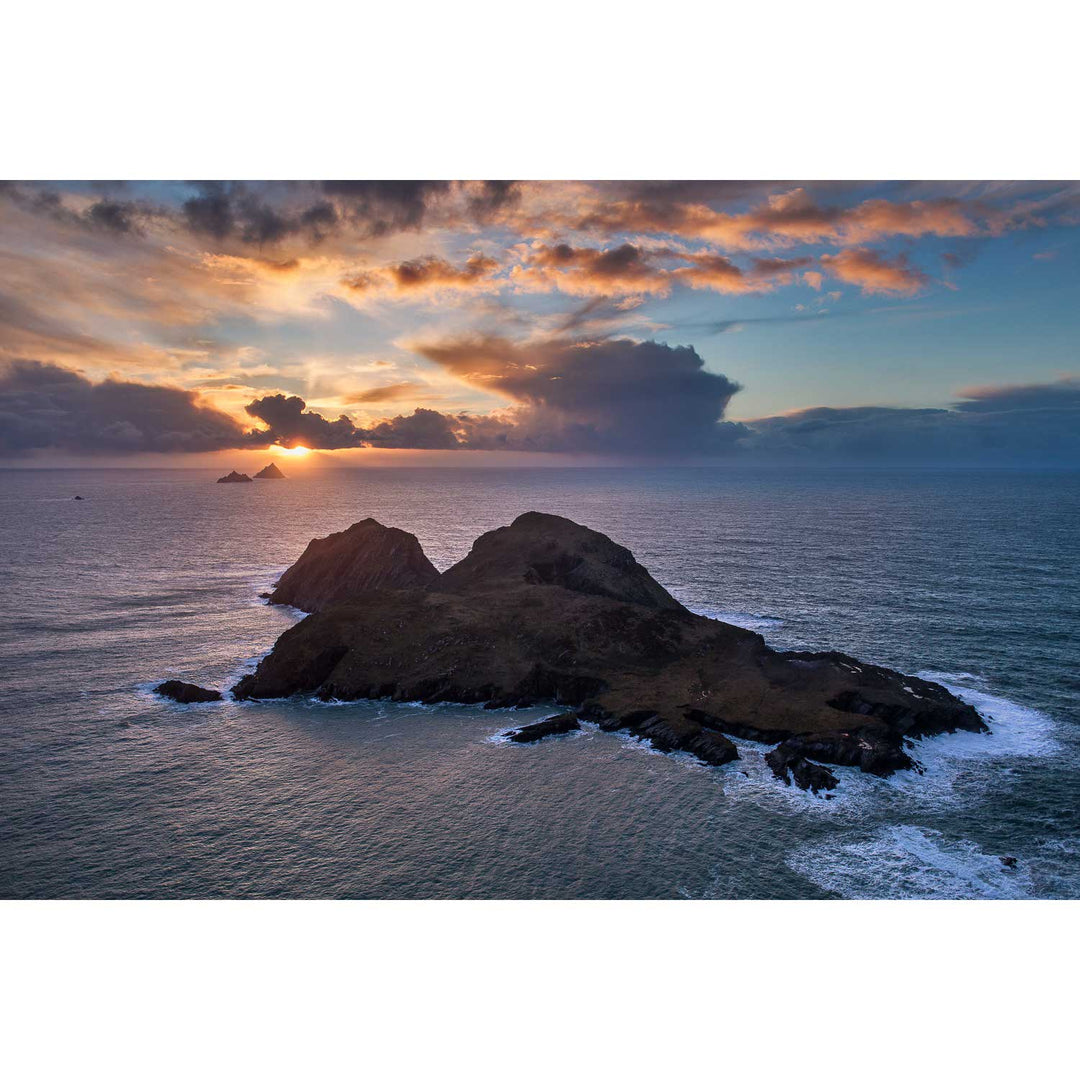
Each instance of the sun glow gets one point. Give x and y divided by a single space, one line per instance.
293 451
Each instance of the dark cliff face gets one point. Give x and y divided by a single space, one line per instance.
548 611
339 568
543 549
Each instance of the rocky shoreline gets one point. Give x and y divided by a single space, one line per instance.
546 611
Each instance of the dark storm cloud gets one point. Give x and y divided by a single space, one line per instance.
108 214
613 395
425 429
226 210
45 407
289 424
211 211
491 196
1023 425
380 207
387 205
113 216
266 214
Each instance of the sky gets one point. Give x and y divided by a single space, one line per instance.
544 322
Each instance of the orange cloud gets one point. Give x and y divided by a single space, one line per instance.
626 269
427 274
392 392
721 275
634 271
787 218
873 272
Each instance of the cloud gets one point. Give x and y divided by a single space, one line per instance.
1063 395
1035 424
626 269
605 396
378 208
391 392
26 332
632 270
873 272
720 274
427 274
117 217
612 396
230 209
46 407
289 424
425 429
783 218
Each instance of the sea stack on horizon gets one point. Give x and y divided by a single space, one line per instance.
270 472
234 478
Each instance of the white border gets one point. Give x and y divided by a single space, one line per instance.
569 89
565 89
522 990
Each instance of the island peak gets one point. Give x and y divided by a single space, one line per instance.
344 566
545 549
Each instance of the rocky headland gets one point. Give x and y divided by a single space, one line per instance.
546 611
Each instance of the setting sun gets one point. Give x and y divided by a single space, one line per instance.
293 451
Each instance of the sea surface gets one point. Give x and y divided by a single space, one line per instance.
967 577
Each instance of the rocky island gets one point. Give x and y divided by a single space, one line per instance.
548 611
234 478
270 472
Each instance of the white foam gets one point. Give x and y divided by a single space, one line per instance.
1015 730
751 777
908 862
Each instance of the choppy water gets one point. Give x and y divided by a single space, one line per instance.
106 791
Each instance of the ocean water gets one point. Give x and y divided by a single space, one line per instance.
966 577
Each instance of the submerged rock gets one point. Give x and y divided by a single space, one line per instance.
343 567
234 478
270 472
186 693
546 610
